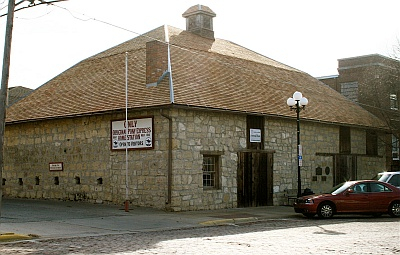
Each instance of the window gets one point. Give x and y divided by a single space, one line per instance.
395 148
211 171
192 22
207 22
394 105
360 188
395 180
344 140
372 143
377 187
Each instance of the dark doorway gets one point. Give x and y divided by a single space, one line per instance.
345 168
254 178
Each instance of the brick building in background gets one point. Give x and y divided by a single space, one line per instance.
373 82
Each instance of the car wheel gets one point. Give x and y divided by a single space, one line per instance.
326 210
394 209
309 215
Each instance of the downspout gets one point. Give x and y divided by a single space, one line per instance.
169 175
171 97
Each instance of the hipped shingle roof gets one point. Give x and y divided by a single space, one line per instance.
210 74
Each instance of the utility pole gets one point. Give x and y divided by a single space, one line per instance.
6 74
4 88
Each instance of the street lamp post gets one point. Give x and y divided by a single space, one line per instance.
298 103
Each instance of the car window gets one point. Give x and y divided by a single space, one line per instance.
360 188
377 187
395 180
340 188
383 177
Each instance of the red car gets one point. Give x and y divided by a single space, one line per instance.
362 197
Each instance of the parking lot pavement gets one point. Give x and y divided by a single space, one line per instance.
57 219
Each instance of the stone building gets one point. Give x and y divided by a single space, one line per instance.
205 120
373 82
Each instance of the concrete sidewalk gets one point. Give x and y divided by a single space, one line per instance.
62 219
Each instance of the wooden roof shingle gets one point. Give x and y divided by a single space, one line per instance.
207 73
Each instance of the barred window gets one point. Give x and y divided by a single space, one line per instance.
210 171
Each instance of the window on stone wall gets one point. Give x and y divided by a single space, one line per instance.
211 171
372 143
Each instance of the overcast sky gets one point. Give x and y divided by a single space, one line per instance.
310 35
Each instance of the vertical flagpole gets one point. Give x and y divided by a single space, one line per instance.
171 85
126 135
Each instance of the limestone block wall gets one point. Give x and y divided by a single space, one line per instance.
315 138
368 166
281 136
358 141
319 138
91 171
95 173
194 133
81 144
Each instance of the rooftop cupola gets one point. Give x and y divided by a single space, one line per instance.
199 20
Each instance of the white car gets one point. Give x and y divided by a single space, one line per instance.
389 177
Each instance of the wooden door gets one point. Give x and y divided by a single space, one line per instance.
345 168
254 178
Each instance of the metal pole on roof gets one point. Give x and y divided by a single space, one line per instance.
171 85
126 135
4 87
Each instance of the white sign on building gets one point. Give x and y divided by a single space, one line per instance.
255 135
56 166
135 134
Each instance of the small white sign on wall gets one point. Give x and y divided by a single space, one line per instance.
255 135
56 166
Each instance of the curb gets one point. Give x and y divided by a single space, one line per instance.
228 221
10 237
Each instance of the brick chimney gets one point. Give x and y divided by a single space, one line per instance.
156 62
199 20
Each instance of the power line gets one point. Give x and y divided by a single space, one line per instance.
32 4
38 17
